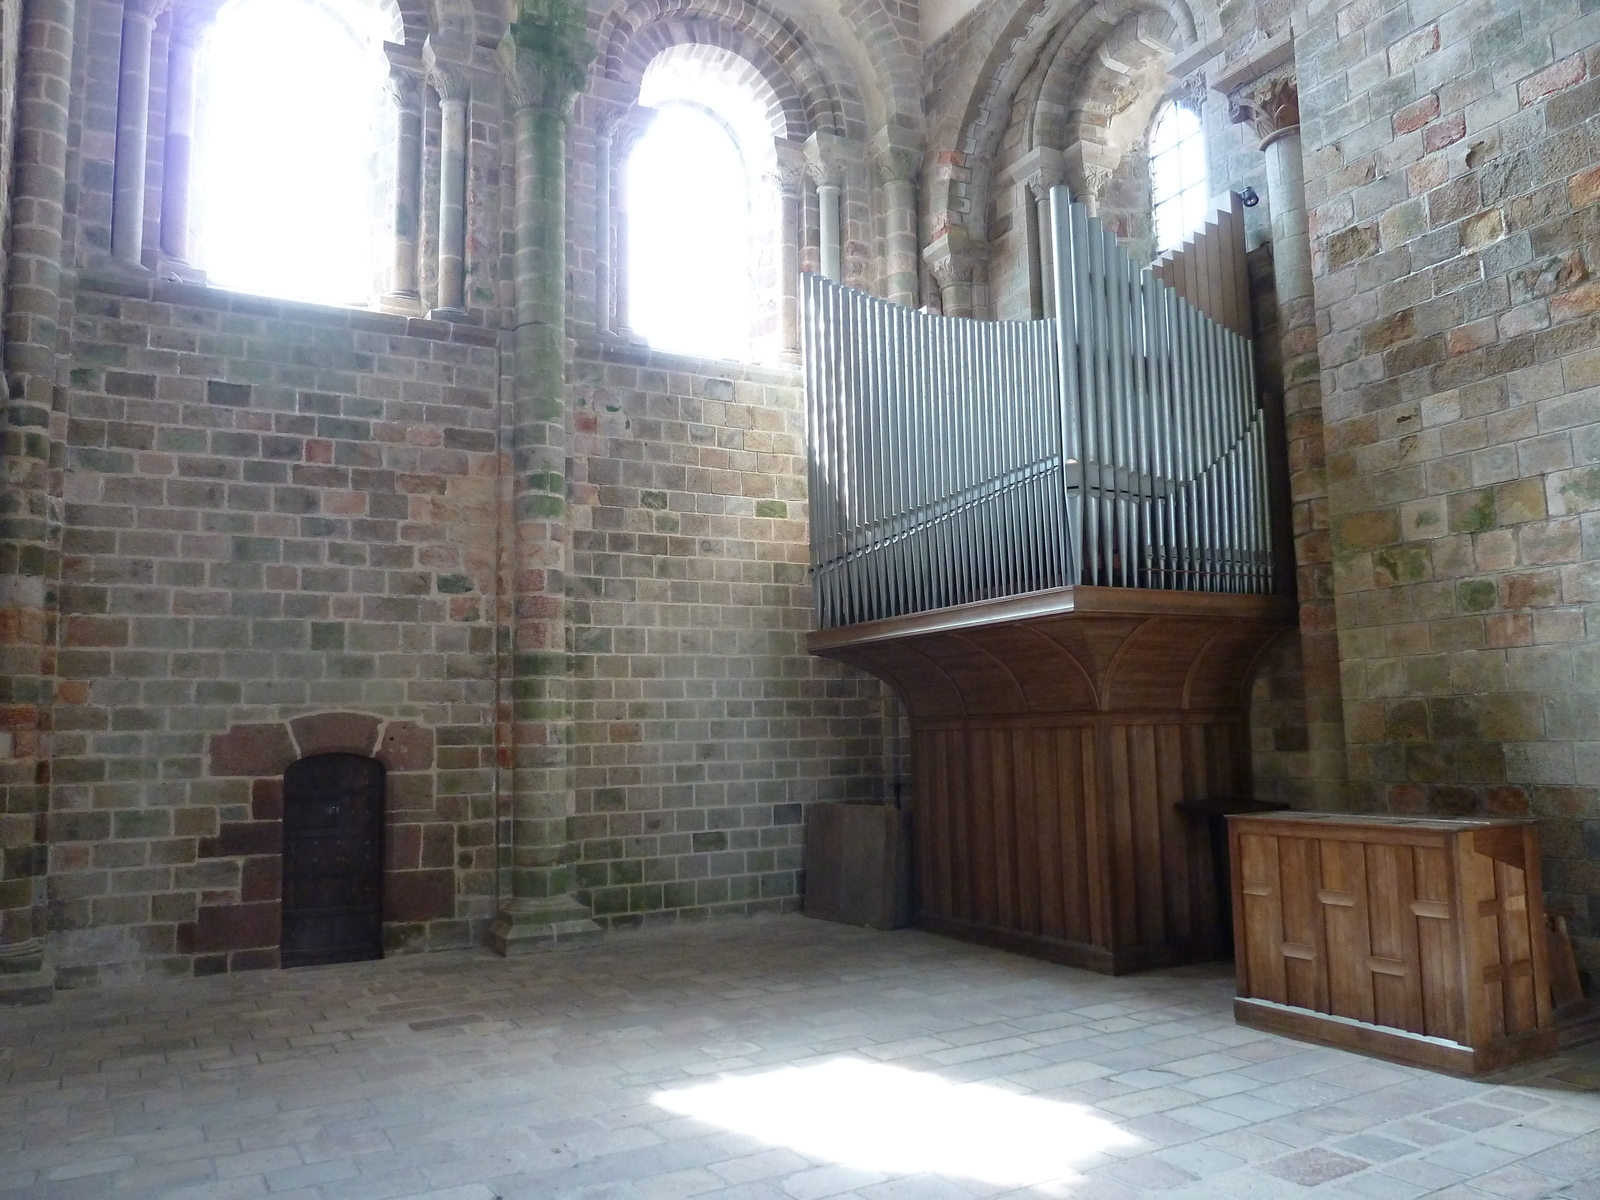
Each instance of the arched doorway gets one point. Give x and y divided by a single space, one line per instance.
332 860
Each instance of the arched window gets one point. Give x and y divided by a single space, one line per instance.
702 212
295 164
1177 175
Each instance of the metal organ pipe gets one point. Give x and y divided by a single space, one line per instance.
1119 444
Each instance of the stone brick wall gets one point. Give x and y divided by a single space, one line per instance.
274 511
1450 153
703 727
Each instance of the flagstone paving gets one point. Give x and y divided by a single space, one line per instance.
915 1068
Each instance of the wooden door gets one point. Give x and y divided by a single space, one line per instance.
332 860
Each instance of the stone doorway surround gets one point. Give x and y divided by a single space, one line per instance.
236 931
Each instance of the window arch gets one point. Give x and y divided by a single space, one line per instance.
1178 186
294 175
701 209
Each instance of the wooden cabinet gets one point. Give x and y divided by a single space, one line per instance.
1053 737
1412 938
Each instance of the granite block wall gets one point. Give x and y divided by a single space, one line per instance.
275 513
703 728
1455 212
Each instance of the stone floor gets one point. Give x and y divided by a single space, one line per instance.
770 1059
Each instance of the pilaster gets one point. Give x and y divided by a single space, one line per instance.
1263 92
30 493
898 161
545 55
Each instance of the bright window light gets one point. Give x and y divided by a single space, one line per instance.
1177 175
293 177
874 1117
689 269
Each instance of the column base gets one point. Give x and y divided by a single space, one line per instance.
560 922
172 270
407 304
448 314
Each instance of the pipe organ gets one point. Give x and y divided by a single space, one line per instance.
1119 444
1054 540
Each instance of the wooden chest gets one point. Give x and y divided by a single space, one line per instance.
1412 938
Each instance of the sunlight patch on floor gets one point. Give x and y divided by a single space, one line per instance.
876 1117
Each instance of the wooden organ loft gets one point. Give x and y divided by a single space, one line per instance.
1054 540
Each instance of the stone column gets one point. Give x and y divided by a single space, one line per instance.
822 163
604 207
545 55
30 519
791 169
178 151
1272 105
133 130
1036 173
949 258
897 164
450 81
405 85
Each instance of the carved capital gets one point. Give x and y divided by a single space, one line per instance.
147 10
789 171
897 158
191 19
1271 105
405 76
1094 184
608 122
626 126
949 257
546 54
1039 170
442 65
1262 88
1191 93
827 157
1089 167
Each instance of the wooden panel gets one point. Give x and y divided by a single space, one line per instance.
1053 737
1189 912
1151 883
1396 994
1031 881
1305 979
1426 928
1258 898
1209 269
1124 879
1343 897
1438 957
1516 948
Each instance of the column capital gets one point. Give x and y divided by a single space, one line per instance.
546 53
1272 106
443 67
1089 167
145 9
949 256
789 170
1039 170
828 156
406 72
191 18
1263 89
896 155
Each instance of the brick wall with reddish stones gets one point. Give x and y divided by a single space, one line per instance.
703 727
275 513
1455 210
